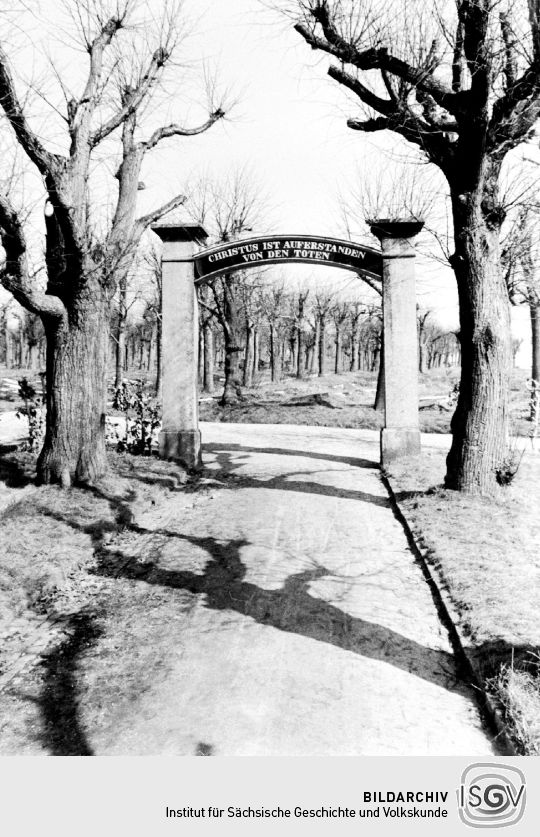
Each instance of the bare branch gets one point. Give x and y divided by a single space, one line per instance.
177 130
133 97
457 60
510 63
15 275
43 159
379 123
378 59
145 221
384 106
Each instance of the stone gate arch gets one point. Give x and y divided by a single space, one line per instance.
184 267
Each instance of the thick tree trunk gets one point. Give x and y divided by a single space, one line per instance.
232 389
74 447
534 310
230 322
480 422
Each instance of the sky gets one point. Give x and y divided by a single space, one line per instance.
287 128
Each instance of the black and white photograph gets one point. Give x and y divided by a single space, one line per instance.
270 384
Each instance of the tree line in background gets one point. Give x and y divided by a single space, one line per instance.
297 333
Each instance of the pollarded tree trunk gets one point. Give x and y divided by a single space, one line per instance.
229 317
256 350
421 354
379 394
150 351
355 347
159 365
77 347
299 353
337 357
534 310
120 353
315 348
249 352
200 358
322 346
231 339
208 372
120 329
480 422
293 349
232 389
275 354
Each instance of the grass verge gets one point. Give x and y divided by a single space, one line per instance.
63 587
484 554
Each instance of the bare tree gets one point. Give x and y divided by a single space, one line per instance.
422 318
461 83
275 310
252 304
340 312
521 260
355 313
83 265
207 320
227 209
154 306
298 301
323 306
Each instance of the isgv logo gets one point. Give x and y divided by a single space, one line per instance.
491 795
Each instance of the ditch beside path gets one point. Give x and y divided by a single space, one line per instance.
303 624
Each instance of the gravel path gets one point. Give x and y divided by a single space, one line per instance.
313 631
309 629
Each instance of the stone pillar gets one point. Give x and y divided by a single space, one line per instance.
180 438
401 433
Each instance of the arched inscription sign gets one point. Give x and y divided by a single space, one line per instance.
310 249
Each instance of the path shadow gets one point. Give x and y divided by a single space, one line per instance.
230 463
62 733
294 608
291 608
324 457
